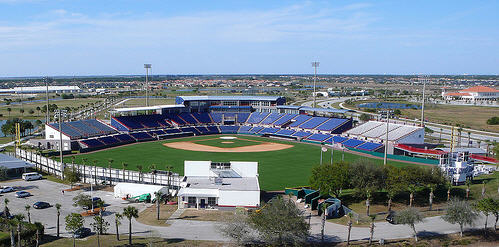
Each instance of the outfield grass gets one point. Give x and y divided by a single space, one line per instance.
277 169
217 142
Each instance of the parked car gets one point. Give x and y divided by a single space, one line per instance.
391 218
31 176
6 189
95 200
22 194
82 232
41 205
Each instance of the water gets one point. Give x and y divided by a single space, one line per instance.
388 105
2 122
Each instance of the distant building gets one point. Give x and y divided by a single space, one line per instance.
42 89
472 94
234 103
13 167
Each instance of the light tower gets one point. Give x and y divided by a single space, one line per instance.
423 78
315 65
147 66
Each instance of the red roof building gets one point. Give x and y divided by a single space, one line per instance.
473 94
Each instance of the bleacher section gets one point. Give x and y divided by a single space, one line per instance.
351 143
272 118
188 118
301 134
269 131
285 132
229 129
83 128
313 122
331 124
142 136
285 119
202 117
257 117
318 137
244 130
369 146
298 120
255 130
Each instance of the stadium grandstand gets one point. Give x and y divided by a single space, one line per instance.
194 115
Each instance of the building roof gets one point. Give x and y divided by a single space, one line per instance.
292 107
328 110
480 89
238 184
471 150
9 162
231 97
146 108
457 94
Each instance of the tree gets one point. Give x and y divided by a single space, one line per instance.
38 110
412 189
9 110
330 179
100 226
130 212
409 216
365 117
109 165
72 176
152 169
117 223
158 195
21 111
430 198
368 178
31 111
371 228
58 208
124 165
74 222
468 183
39 228
238 228
280 222
324 215
140 168
6 211
349 225
486 206
493 121
460 212
82 200
27 207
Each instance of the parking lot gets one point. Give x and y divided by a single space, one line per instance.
51 192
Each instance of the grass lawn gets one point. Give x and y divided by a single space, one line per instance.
205 215
6 139
217 142
40 115
149 217
110 241
277 169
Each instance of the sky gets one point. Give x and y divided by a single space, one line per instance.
87 37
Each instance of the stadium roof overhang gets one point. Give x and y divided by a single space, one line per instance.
146 108
327 110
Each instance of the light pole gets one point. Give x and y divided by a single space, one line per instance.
47 120
60 143
423 78
386 138
147 66
315 65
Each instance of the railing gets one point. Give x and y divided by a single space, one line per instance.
96 174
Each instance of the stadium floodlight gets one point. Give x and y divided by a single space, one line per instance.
423 78
315 65
147 66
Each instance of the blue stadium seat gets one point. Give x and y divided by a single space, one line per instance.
217 117
188 118
202 117
242 117
268 131
124 138
285 132
244 129
92 143
229 129
285 119
299 120
339 139
352 143
257 117
142 136
318 137
314 122
255 130
271 118
369 146
332 124
109 140
301 134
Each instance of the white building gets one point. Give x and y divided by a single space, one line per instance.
209 184
472 94
42 89
375 131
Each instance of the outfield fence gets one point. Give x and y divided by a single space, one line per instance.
97 174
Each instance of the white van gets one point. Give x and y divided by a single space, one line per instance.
31 176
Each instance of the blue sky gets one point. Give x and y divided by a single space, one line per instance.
86 37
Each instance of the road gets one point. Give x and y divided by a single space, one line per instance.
44 190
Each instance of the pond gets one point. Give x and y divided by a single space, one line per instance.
2 122
388 105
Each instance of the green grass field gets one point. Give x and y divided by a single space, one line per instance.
277 169
217 142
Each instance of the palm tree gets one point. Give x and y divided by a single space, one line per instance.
169 170
6 211
125 165
38 227
12 225
430 199
117 222
152 169
469 138
22 112
349 224
412 189
368 201
18 219
58 207
449 188
27 207
110 162
95 172
158 195
371 228
324 215
440 138
84 165
38 110
391 194
140 168
9 110
130 212
468 183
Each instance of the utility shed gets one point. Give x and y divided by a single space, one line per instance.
14 167
131 189
209 184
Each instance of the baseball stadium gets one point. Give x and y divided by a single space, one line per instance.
286 140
